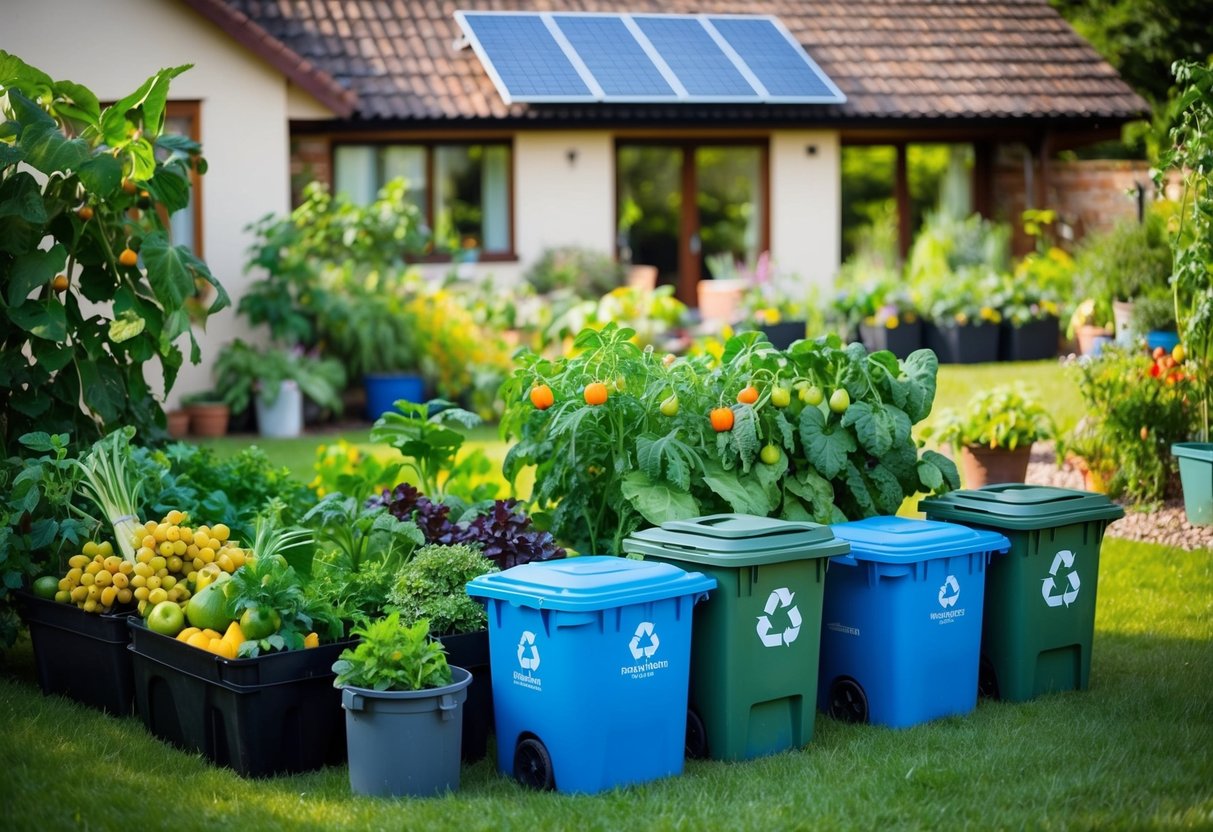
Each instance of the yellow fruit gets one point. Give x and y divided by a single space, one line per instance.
168 582
79 594
126 567
103 579
225 563
125 596
174 564
65 585
237 556
165 548
93 568
234 632
1178 353
174 595
138 581
220 532
121 581
79 561
74 574
158 563
223 647
89 548
108 595
185 634
62 597
153 582
207 554
90 606
175 517
311 640
187 535
94 593
144 570
144 555
199 639
87 579
179 549
172 534
158 595
209 633
113 562
105 548
141 593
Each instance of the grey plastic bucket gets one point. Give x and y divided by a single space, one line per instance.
405 742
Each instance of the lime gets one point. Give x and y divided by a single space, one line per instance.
260 622
46 587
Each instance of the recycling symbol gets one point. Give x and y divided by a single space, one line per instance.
949 592
1063 558
644 630
528 662
779 599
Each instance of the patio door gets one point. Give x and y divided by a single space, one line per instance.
687 207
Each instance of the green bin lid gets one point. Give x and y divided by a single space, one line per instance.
737 540
1019 507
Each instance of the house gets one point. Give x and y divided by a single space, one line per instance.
354 92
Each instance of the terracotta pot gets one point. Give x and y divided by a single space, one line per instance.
643 278
178 423
981 466
720 300
209 418
1091 339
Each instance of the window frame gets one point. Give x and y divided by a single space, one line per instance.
430 145
191 110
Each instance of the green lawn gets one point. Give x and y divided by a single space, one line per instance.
1050 381
1132 752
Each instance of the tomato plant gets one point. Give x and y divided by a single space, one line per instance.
603 471
66 365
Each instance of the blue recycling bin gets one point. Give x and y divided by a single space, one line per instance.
590 663
901 621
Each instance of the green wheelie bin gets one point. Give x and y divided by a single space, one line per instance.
757 639
1040 597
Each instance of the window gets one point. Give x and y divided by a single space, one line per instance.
463 190
182 117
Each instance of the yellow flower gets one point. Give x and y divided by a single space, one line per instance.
891 322
962 318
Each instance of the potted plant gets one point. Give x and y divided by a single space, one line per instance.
893 324
403 710
719 298
1191 280
178 422
1085 328
431 586
277 379
209 413
1153 319
1029 297
776 302
994 434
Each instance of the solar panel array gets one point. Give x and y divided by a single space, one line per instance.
546 57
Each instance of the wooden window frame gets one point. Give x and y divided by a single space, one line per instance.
191 109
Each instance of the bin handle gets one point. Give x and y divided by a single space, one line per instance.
353 701
447 707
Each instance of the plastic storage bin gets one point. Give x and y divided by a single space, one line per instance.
755 651
80 655
1040 598
901 625
591 661
273 714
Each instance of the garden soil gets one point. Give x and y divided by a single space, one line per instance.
1165 523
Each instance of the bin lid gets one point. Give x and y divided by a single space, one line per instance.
589 583
736 540
902 540
1019 507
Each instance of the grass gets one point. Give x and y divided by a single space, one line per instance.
1049 380
1132 752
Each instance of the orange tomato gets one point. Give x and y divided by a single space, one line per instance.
59 284
722 419
748 395
541 396
85 213
595 393
128 258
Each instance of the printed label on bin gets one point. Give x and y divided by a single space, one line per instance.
839 627
528 660
949 594
1061 589
779 599
643 646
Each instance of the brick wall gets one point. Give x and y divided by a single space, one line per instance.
1088 195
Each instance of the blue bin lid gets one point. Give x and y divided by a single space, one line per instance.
902 540
589 583
736 540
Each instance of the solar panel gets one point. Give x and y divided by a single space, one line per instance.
775 58
576 57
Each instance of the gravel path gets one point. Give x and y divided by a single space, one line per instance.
1166 525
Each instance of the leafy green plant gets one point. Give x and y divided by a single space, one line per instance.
1153 312
241 370
954 268
38 529
432 585
821 431
393 656
1005 417
421 432
1122 263
1191 157
85 198
587 274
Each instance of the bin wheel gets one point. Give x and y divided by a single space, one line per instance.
697 737
987 679
848 702
533 765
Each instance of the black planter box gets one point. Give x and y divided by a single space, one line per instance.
963 343
901 341
1033 341
80 655
471 652
782 334
283 716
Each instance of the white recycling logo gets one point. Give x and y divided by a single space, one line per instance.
949 592
1048 588
528 659
644 630
779 599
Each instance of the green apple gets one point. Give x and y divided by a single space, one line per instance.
166 618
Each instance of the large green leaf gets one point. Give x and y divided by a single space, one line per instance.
42 319
104 390
742 499
873 427
921 366
34 270
15 72
946 467
43 143
667 458
101 175
20 196
813 489
826 447
169 270
657 502
170 189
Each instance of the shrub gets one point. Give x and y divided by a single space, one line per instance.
432 586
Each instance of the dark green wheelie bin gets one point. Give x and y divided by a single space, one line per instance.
1040 596
757 639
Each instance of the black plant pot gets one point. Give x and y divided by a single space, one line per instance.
900 341
963 343
471 652
1033 341
782 334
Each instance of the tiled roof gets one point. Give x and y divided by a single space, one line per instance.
920 60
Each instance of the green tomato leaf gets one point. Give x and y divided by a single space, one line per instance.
858 488
887 490
743 500
51 357
170 189
657 502
10 154
42 319
826 447
169 270
930 476
102 175
922 367
21 197
873 427
947 467
34 270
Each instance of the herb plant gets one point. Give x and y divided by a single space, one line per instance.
268 582
1003 417
432 586
393 656
825 436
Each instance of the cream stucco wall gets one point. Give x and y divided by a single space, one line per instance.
806 204
244 110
